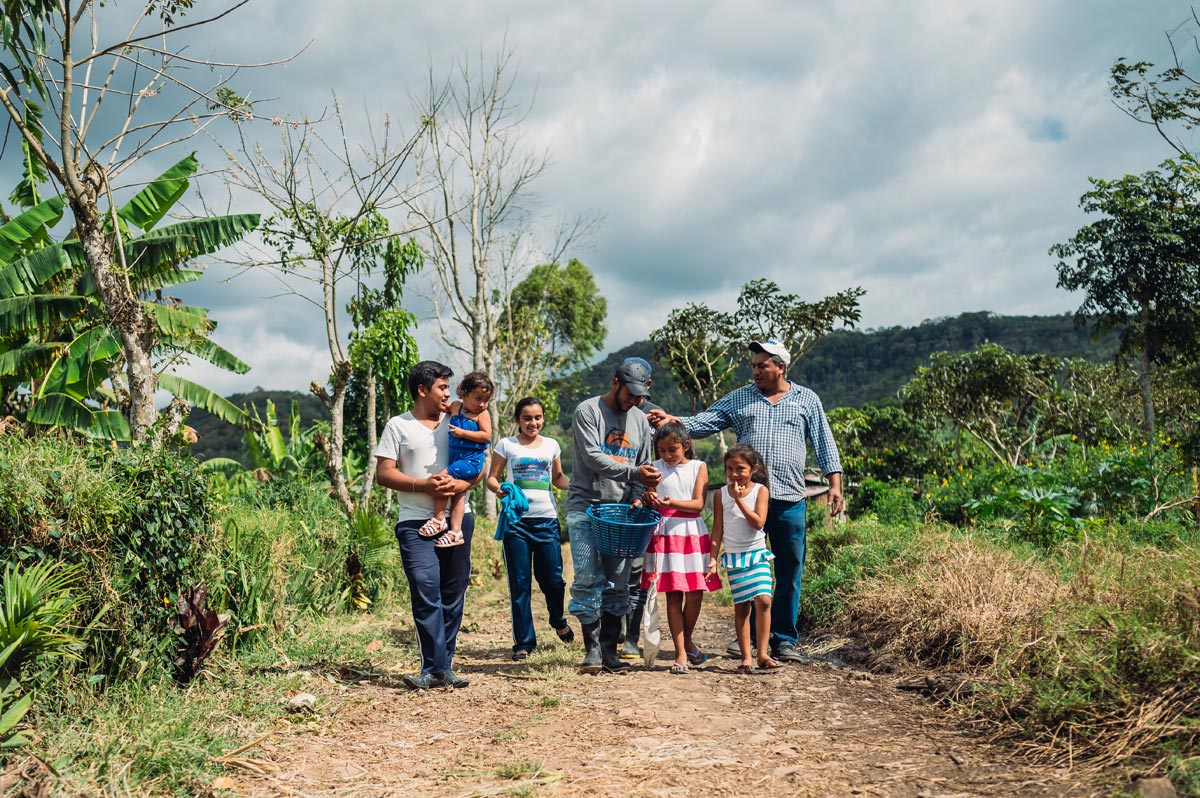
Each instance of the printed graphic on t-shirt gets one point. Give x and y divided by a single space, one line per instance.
530 473
618 446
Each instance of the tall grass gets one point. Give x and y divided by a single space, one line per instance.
1091 649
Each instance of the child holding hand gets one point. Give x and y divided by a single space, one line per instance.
739 511
470 436
679 553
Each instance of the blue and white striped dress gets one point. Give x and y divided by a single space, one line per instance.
745 557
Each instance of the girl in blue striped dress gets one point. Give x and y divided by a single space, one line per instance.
739 511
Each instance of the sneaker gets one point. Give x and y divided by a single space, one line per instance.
452 679
790 653
734 650
420 681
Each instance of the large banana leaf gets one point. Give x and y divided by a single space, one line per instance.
27 313
209 350
200 396
83 366
274 437
179 322
26 227
143 284
226 465
61 410
25 275
151 203
28 359
209 234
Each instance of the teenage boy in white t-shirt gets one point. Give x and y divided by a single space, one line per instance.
410 459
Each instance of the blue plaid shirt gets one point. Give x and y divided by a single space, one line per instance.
776 431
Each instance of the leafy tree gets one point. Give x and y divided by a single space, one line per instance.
330 197
61 65
885 443
553 321
1166 99
764 312
59 353
1139 267
1002 399
703 347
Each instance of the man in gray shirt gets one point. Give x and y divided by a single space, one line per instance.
611 463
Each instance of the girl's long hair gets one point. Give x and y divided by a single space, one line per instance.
676 432
747 454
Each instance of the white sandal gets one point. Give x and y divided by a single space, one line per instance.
433 527
452 538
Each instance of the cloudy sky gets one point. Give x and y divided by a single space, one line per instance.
929 152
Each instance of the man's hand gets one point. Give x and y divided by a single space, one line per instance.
649 476
837 501
442 485
658 417
650 499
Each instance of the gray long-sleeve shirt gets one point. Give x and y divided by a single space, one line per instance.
609 447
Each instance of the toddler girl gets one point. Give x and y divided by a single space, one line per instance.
470 435
679 551
739 511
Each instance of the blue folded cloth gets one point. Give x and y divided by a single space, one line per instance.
513 505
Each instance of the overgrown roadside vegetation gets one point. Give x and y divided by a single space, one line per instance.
1087 653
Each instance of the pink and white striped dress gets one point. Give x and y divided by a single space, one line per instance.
679 551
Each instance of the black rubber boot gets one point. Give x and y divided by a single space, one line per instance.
629 648
592 663
610 629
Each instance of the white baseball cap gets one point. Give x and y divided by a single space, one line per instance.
772 347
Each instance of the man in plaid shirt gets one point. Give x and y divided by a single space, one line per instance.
776 416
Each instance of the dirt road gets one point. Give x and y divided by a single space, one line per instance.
539 728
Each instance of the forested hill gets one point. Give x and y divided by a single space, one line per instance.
852 368
219 439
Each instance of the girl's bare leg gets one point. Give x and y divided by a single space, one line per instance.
458 510
762 608
691 615
741 625
675 624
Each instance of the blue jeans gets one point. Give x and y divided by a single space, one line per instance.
537 541
787 535
601 583
437 584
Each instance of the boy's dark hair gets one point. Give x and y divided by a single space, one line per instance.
425 374
748 454
475 380
524 403
674 431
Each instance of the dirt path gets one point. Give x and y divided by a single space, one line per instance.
539 728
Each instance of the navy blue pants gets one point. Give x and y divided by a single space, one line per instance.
788 536
437 583
536 541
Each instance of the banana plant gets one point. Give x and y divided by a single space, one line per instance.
270 455
57 352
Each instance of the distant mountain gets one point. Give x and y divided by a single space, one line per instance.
853 368
220 439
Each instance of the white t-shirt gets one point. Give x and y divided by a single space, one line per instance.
419 452
532 470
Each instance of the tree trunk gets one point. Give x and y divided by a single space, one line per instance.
364 500
1147 402
332 445
125 314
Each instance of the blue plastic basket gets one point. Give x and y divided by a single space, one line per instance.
623 530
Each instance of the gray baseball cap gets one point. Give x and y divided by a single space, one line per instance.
635 376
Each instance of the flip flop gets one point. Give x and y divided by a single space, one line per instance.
680 669
746 670
770 664
699 658
433 527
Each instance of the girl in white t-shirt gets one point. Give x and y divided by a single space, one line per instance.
534 464
739 512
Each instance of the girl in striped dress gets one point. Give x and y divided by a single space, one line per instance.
679 551
739 511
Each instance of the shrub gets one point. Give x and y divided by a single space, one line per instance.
891 503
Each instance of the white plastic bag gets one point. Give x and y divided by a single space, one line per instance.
651 634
